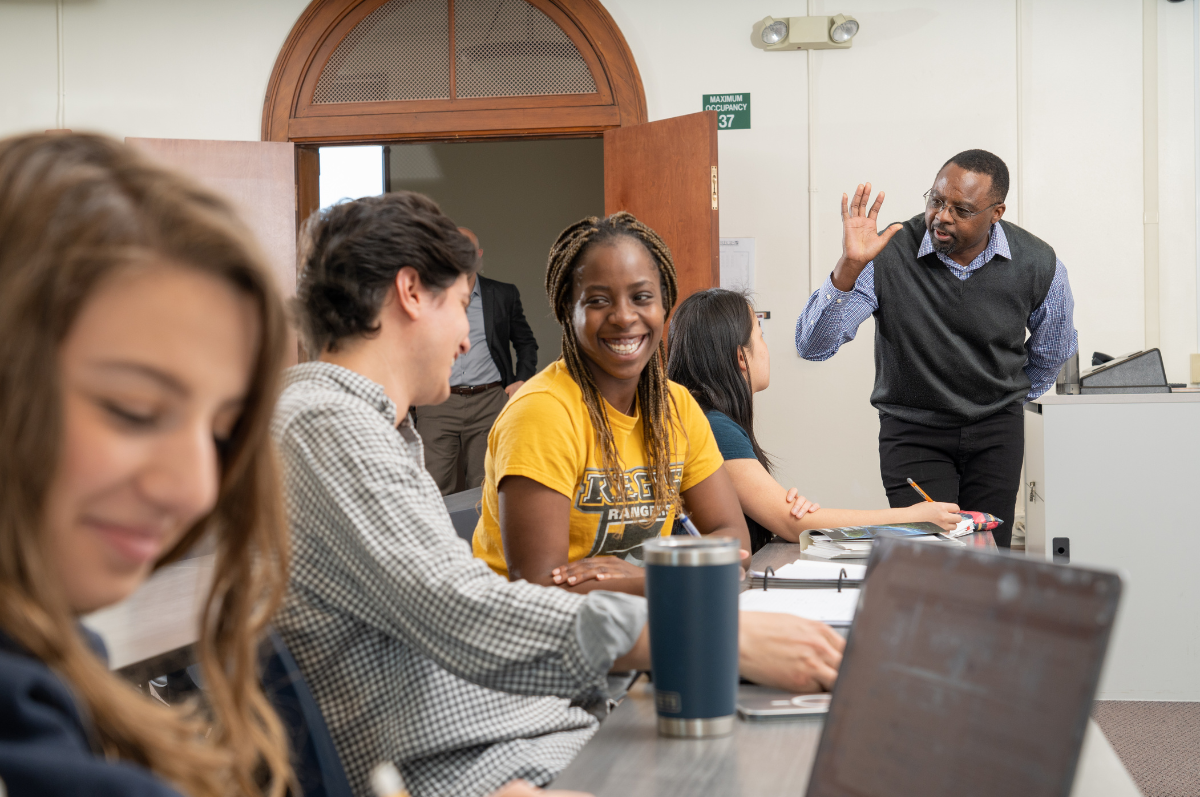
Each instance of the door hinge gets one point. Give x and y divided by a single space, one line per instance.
714 187
1033 493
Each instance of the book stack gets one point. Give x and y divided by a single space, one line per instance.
854 542
826 548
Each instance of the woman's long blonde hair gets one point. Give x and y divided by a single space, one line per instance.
74 209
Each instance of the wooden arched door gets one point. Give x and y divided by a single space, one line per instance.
362 71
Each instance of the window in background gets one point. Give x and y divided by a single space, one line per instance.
351 173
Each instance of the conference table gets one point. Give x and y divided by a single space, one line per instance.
627 757
154 632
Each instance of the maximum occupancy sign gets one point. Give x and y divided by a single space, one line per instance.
733 110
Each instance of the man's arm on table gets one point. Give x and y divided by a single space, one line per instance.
779 650
1052 335
395 563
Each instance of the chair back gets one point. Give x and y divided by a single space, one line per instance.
464 509
318 768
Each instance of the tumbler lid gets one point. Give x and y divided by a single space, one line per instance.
691 551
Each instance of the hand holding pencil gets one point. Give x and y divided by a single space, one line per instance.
940 512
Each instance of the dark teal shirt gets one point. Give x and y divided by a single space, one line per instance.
735 444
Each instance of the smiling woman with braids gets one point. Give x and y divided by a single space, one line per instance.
599 452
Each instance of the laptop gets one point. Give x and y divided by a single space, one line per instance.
965 672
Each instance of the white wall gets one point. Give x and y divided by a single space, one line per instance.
143 67
925 79
1177 187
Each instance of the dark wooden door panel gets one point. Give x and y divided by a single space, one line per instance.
665 173
257 177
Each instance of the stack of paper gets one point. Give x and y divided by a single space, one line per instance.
826 548
855 542
808 570
824 605
808 574
964 527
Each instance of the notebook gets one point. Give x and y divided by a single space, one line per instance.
830 606
965 672
807 573
854 542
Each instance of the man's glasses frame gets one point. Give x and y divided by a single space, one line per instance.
958 211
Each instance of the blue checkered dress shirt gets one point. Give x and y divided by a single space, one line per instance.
832 317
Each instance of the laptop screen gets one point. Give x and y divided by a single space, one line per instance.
965 673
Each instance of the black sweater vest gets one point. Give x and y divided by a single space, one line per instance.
949 352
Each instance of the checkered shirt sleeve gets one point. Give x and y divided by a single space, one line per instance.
416 651
832 317
1052 334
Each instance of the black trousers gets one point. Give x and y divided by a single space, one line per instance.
977 466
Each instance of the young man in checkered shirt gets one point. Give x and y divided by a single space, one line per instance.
416 652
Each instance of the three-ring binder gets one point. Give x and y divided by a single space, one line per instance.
769 579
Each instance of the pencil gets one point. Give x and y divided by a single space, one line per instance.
917 487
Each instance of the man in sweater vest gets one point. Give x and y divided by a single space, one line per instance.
953 292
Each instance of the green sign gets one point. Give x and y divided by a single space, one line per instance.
733 110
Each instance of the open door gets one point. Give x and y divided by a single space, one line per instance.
665 173
258 177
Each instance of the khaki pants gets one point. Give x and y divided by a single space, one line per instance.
458 427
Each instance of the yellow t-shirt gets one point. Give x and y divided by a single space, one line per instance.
544 433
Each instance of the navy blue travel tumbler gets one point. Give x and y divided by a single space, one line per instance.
692 590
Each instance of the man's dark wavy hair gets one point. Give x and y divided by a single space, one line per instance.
981 161
350 255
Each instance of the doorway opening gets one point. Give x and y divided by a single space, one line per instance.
516 196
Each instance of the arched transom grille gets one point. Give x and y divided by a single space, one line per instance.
397 53
508 48
501 48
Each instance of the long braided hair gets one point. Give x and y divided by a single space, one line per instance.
652 395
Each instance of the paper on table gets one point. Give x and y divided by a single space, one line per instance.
825 605
808 570
965 526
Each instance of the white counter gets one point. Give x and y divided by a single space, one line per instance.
1119 475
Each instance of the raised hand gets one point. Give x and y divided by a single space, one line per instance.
861 241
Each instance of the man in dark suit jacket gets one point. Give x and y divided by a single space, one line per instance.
480 382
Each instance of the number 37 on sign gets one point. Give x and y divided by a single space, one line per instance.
733 110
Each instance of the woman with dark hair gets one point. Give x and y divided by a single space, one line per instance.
718 353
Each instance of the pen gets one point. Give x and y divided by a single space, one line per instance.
917 487
688 525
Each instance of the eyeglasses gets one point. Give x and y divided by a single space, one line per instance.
957 211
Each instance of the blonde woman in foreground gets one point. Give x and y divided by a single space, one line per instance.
140 347
141 343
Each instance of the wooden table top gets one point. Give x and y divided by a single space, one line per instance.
627 757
